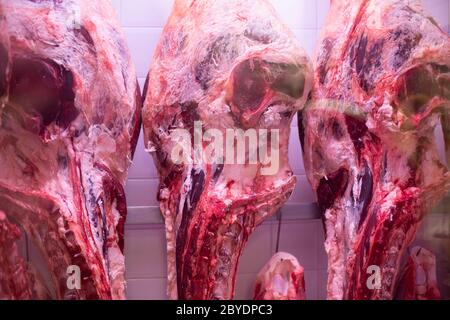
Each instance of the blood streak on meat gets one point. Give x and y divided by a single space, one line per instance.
282 278
230 65
418 279
69 119
382 73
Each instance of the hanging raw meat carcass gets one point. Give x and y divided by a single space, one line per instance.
382 85
418 280
282 278
223 70
69 122
435 232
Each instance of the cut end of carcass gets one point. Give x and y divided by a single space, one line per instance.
282 278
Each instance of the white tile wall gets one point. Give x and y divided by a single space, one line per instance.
142 21
145 258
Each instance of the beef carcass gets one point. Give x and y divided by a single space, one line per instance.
418 280
435 232
282 278
220 66
382 75
69 122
